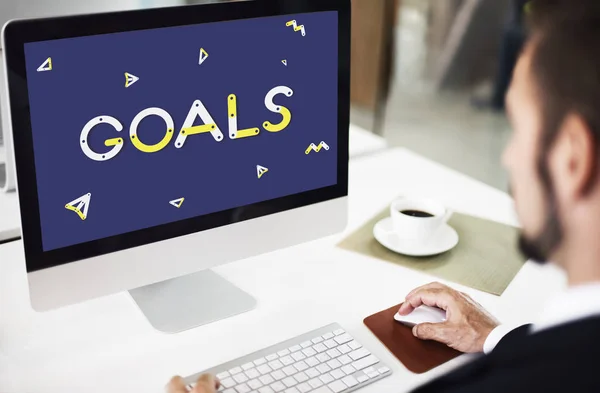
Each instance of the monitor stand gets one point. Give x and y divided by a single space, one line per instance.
183 303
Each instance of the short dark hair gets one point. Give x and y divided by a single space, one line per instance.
565 64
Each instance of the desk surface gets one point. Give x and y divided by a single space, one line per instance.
362 143
106 345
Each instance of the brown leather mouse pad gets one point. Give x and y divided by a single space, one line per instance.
417 355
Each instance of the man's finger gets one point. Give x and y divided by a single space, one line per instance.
431 285
431 331
440 298
176 385
206 384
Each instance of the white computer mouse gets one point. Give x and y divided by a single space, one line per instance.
423 314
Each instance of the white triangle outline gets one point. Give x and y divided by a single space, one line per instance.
46 65
177 202
203 56
130 79
261 170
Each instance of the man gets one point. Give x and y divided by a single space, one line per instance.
553 160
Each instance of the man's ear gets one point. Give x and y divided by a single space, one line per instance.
573 159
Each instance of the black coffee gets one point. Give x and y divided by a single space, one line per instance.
416 213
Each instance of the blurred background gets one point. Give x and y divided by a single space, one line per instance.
428 75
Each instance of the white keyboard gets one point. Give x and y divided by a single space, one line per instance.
326 360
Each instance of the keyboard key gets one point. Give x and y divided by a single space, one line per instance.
295 348
278 375
343 338
315 383
247 366
298 356
278 386
320 348
240 378
383 370
337 386
365 362
243 388
309 352
266 379
260 361
301 377
359 354
304 388
306 344
334 353
276 365
338 332
317 340
373 374
344 349
230 390
344 359
354 345
271 357
323 368
228 382
223 375
252 373
266 389
264 369
312 372
256 384
350 381
323 357
286 360
284 352
330 344
369 370
312 361
337 374
290 370
326 378
289 382
291 390
334 364
362 378
322 389
235 370
301 365
348 369
327 336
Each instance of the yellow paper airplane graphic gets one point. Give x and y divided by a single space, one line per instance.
46 66
296 27
261 170
177 202
284 62
130 79
316 148
203 56
80 206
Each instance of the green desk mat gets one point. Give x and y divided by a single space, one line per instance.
486 257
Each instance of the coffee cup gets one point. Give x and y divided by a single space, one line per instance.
417 219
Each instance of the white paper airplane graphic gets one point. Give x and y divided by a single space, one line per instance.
203 56
130 79
46 66
261 170
177 202
80 206
284 62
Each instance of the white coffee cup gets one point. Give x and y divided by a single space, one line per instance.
413 228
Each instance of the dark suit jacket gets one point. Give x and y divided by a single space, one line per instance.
562 359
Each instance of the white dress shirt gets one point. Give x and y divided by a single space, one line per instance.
573 304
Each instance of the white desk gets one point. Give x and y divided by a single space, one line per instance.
10 221
107 346
362 143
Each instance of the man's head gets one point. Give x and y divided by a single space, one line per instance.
554 105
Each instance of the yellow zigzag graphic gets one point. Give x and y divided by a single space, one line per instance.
296 27
316 148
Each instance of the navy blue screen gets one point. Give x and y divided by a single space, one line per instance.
132 191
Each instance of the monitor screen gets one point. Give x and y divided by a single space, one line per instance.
137 129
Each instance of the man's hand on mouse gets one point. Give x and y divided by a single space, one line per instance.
467 324
205 384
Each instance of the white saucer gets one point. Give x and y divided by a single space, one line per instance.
445 240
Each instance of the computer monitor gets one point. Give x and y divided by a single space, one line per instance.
153 145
